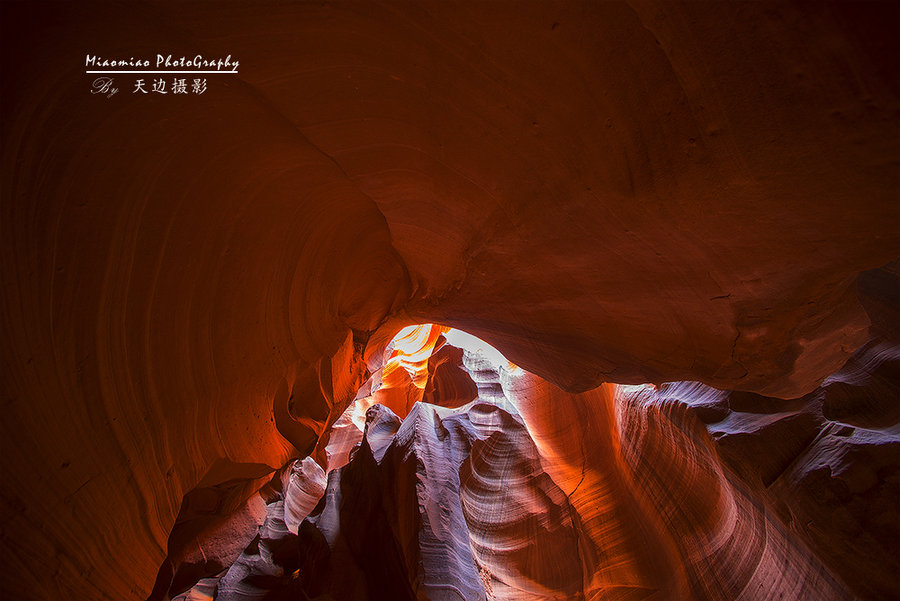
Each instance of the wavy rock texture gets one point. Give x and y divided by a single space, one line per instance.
211 536
826 463
530 492
404 375
481 502
194 288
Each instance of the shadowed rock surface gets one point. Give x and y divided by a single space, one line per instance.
508 497
194 289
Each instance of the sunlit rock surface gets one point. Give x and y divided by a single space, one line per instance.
530 492
829 463
194 290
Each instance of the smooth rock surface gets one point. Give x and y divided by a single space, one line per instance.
481 503
630 192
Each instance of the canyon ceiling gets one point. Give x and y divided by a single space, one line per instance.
704 194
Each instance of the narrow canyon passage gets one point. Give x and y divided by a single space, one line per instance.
455 474
675 223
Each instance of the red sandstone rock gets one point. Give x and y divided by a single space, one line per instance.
528 469
606 192
449 385
568 514
829 467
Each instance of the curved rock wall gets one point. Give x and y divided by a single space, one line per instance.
627 192
502 498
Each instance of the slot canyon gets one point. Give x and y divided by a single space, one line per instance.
476 300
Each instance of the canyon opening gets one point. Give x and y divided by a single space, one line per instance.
458 300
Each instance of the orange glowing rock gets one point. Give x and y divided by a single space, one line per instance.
618 192
405 372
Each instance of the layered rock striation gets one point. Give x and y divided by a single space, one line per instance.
195 289
623 492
